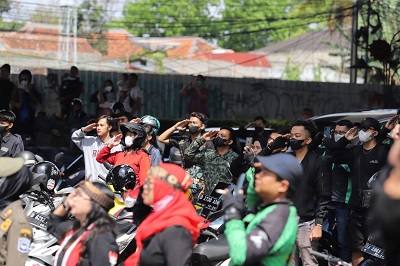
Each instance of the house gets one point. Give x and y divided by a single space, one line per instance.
310 52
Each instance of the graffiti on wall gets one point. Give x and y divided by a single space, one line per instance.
230 98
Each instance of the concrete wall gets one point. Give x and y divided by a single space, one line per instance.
229 98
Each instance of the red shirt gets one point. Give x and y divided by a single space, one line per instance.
138 160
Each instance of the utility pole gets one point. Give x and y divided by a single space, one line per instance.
354 26
367 40
75 35
68 23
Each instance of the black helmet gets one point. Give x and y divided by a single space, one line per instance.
121 176
46 174
29 158
138 130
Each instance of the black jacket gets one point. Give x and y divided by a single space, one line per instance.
171 247
313 193
363 164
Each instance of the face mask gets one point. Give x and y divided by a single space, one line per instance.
364 136
258 129
108 88
199 83
128 141
3 129
338 136
219 142
70 78
193 129
296 144
24 83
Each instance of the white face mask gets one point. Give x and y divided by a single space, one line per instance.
128 141
24 83
364 136
108 88
338 136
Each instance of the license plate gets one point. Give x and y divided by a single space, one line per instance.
208 202
38 220
373 251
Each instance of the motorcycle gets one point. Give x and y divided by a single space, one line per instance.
212 247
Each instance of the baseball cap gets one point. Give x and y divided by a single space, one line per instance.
370 122
284 165
10 166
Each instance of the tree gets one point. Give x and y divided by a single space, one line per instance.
161 18
45 15
4 6
276 20
240 25
92 24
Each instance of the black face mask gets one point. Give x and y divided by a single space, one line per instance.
296 144
258 129
3 129
219 142
194 129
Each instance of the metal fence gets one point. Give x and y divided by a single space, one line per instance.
230 98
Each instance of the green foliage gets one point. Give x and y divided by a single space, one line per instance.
241 25
92 23
10 26
161 18
41 15
292 70
4 6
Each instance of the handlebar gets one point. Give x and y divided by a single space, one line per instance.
330 258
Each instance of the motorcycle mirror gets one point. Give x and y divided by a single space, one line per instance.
59 157
107 165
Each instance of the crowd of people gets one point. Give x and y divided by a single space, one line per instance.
299 182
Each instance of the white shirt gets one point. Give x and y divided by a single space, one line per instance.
133 94
91 146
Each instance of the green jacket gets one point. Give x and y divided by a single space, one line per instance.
213 165
269 237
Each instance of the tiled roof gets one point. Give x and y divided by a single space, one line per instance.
120 46
38 28
190 47
243 59
40 42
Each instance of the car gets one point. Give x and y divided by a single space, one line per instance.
328 121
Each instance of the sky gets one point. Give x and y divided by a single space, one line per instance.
20 8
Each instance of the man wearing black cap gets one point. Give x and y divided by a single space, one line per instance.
10 144
364 161
270 235
313 193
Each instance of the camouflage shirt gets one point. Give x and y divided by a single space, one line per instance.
213 164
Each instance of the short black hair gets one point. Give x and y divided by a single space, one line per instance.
134 76
346 123
308 125
75 68
202 77
124 75
6 66
281 131
308 111
202 117
7 116
232 134
260 118
25 72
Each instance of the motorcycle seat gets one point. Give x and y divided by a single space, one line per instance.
125 226
211 252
